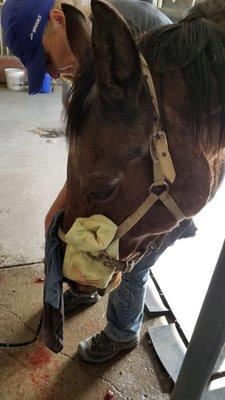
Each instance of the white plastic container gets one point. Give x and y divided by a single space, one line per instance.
15 78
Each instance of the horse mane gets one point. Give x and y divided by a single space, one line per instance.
213 10
196 48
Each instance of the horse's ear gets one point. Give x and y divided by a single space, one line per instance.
116 56
78 30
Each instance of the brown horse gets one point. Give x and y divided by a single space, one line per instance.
111 118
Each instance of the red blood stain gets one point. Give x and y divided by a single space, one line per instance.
39 357
46 377
39 280
109 395
40 380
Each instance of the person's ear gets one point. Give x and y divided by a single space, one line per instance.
57 18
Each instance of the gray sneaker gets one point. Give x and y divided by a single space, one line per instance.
74 299
100 348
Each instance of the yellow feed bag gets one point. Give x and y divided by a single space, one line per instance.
90 235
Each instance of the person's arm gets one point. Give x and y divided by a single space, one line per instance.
59 203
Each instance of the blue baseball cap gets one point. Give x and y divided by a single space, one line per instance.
23 24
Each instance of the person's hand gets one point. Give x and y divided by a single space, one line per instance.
48 219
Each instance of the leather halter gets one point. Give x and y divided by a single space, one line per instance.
163 169
163 174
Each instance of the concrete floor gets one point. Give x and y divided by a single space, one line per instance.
32 170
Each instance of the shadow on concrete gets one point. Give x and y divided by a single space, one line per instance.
79 380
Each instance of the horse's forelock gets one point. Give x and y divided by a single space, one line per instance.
84 90
80 99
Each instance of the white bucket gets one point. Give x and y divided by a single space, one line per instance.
15 78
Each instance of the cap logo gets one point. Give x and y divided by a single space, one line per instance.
35 27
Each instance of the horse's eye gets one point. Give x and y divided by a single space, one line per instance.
102 195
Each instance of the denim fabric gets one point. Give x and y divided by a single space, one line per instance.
53 264
126 303
53 310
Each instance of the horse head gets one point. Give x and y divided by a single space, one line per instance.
112 118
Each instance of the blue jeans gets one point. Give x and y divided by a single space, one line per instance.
126 303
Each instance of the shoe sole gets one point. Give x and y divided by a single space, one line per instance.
82 354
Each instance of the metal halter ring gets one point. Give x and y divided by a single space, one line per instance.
162 186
